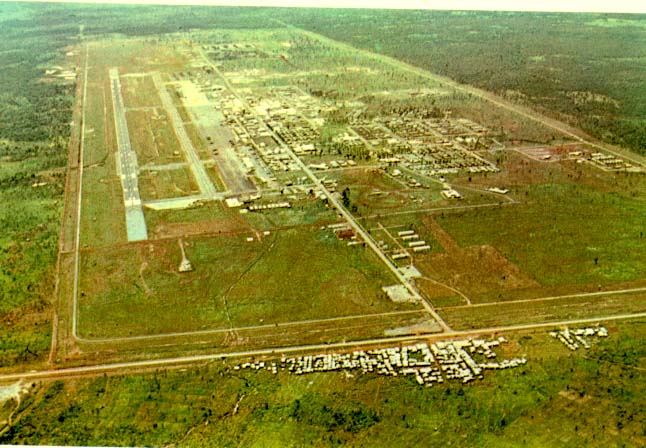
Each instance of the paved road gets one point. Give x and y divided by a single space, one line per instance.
136 366
127 167
358 229
199 173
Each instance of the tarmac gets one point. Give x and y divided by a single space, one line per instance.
127 167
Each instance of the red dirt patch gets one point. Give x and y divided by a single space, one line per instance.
178 230
475 270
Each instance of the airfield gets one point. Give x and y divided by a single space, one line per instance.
259 191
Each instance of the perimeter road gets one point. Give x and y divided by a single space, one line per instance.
75 292
545 299
188 360
250 327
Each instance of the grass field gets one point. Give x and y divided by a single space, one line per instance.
167 184
136 290
537 311
139 92
212 217
102 209
152 138
320 331
216 178
570 243
198 142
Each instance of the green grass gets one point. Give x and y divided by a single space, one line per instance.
153 139
563 234
161 184
539 311
586 398
309 275
291 275
211 217
25 344
216 179
102 212
203 212
139 92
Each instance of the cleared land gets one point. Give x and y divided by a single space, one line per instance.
160 184
392 161
236 283
239 283
536 311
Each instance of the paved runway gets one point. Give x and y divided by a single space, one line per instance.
127 167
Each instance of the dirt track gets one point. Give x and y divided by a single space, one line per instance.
142 366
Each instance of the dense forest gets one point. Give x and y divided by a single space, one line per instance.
35 115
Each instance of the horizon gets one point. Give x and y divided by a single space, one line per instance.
573 6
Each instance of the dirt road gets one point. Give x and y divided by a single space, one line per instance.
139 366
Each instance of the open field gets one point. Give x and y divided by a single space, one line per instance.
132 291
198 142
535 311
571 244
152 137
167 184
333 330
102 206
139 92
208 218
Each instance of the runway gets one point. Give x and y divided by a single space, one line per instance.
127 167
